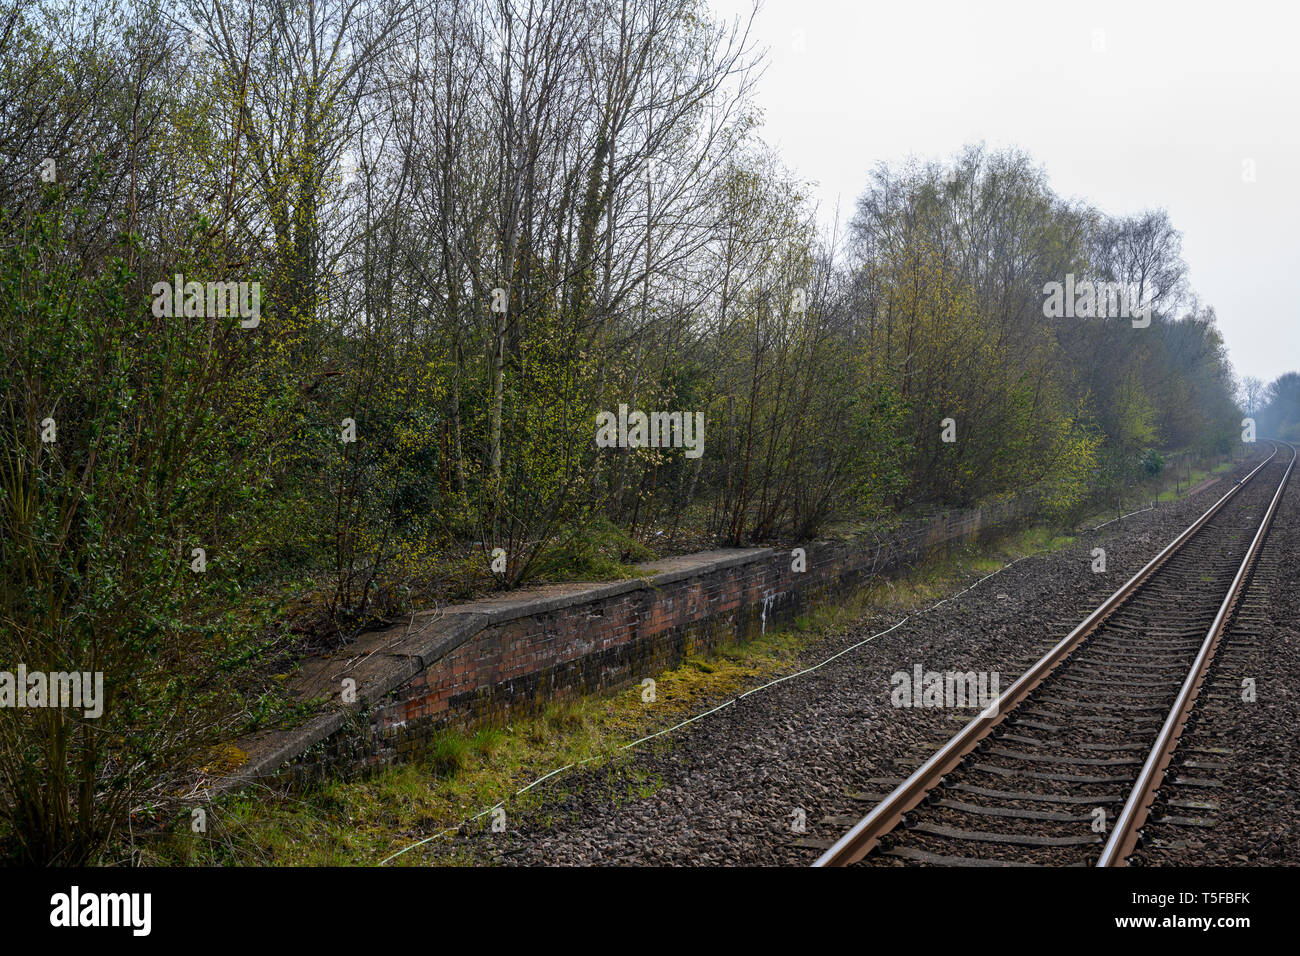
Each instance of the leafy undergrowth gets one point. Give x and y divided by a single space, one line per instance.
363 822
1178 490
597 551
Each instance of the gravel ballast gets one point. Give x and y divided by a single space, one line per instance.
777 776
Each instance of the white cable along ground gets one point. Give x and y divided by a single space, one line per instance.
1122 517
735 700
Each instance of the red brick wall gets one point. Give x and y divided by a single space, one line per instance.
607 642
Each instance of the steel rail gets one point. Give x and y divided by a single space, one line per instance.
1127 830
866 833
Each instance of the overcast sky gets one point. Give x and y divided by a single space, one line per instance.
1166 113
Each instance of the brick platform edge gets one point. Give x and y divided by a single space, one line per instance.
479 663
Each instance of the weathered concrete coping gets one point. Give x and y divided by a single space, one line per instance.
381 661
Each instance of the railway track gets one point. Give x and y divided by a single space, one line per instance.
1065 770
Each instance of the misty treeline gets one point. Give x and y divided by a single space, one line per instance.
1275 406
475 225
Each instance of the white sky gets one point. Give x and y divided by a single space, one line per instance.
1181 96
